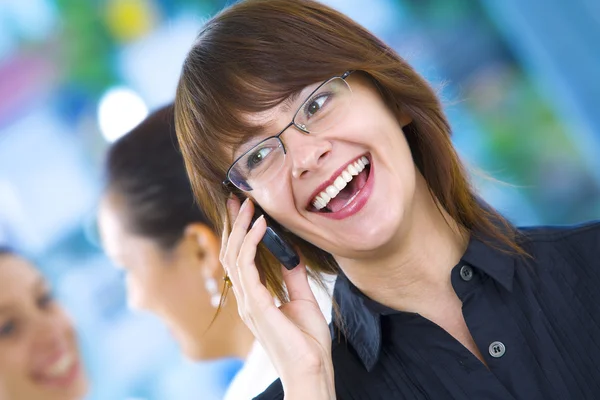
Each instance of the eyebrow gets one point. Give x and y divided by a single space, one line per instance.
290 101
286 106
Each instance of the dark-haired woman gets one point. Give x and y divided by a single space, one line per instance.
152 229
347 149
39 354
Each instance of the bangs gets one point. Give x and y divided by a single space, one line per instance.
250 59
256 95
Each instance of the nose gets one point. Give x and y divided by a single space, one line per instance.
307 152
52 331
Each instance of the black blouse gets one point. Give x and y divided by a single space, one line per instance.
536 321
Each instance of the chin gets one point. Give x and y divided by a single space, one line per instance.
81 389
371 237
372 240
76 391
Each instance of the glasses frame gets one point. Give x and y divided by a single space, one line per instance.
300 127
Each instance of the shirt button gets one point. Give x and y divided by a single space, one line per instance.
466 273
497 349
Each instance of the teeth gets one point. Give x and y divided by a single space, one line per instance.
332 191
60 367
323 198
346 175
319 203
339 183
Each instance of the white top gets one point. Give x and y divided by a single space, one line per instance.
258 373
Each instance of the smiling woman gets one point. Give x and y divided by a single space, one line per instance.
153 230
39 355
348 151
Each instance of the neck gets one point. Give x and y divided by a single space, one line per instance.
412 271
228 336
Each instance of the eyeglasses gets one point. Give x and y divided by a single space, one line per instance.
325 107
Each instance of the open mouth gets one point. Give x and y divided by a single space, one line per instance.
61 372
344 189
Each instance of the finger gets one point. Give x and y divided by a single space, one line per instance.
228 274
241 223
296 283
247 271
224 239
242 219
234 244
232 207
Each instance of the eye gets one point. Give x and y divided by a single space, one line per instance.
315 104
7 329
258 156
45 301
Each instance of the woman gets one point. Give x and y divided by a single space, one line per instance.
348 151
151 227
39 355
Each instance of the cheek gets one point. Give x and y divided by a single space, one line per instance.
404 171
13 362
66 326
141 290
277 200
186 310
159 289
393 154
184 297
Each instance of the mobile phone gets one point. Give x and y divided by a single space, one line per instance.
274 242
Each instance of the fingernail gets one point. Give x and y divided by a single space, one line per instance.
244 204
262 216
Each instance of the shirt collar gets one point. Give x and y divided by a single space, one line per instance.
360 323
361 316
493 258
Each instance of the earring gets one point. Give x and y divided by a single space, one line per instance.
211 287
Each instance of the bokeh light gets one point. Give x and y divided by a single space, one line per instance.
120 110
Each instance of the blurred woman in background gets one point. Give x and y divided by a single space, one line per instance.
151 227
39 354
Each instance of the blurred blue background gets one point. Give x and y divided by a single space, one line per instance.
520 80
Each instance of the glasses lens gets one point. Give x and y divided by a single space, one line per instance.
258 165
324 108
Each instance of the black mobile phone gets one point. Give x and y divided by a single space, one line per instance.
274 242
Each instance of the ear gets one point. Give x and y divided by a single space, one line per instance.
206 247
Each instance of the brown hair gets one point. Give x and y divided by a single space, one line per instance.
145 169
257 53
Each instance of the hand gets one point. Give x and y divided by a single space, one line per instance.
295 335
